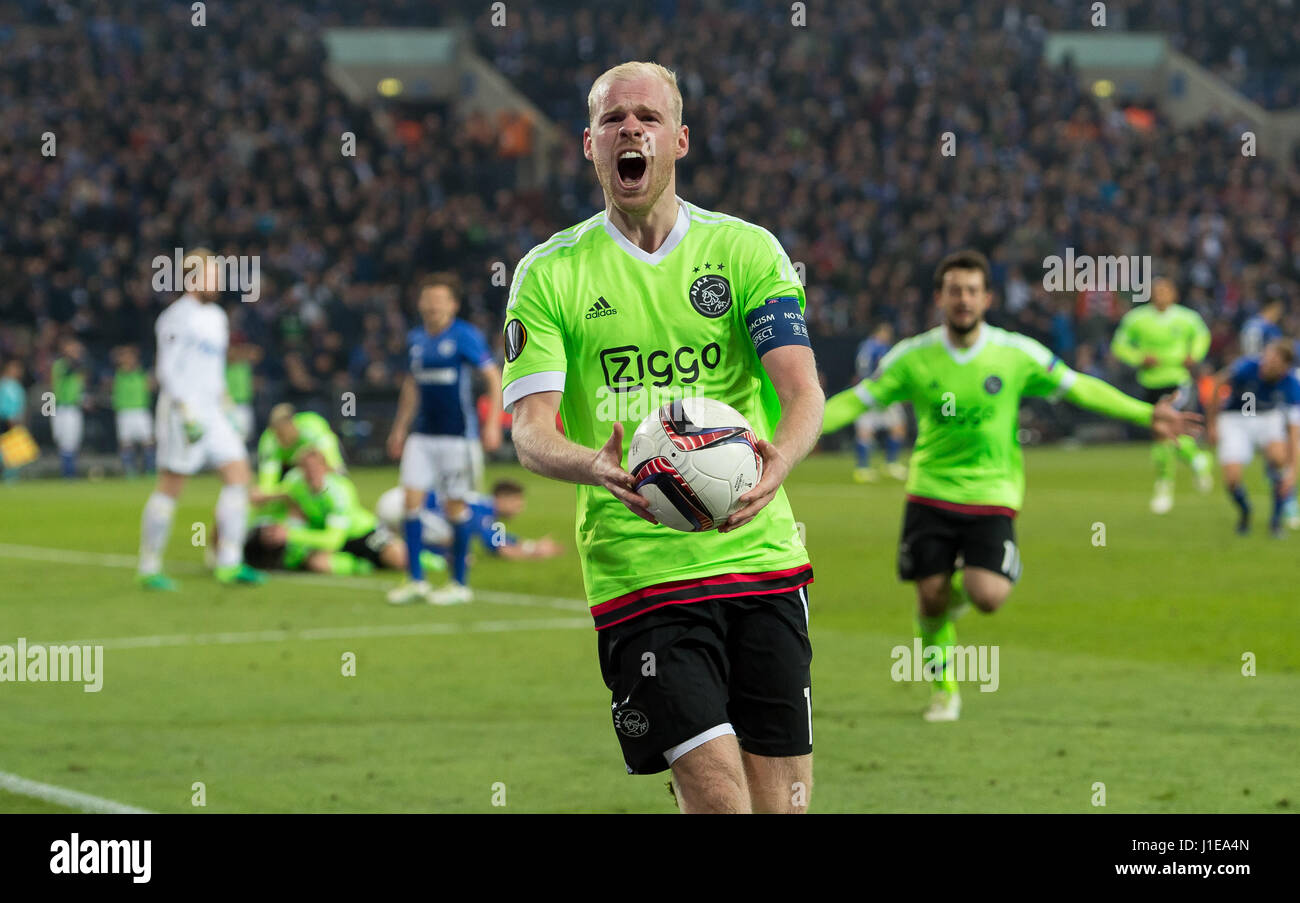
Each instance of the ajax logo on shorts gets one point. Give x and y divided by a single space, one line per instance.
631 723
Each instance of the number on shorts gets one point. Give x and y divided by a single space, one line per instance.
1010 559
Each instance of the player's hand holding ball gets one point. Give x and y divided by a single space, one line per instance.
776 467
607 470
701 467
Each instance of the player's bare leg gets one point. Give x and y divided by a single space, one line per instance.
778 784
987 589
156 528
710 779
232 525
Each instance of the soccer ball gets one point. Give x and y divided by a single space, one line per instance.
693 459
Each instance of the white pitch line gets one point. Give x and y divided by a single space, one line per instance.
327 633
61 796
103 559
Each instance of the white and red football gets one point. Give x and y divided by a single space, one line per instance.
692 459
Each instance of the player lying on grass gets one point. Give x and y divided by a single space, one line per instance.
1261 411
337 534
966 481
1164 340
489 513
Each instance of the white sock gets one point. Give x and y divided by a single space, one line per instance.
155 528
232 524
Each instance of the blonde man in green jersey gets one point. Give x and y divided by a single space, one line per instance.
1164 341
966 478
702 637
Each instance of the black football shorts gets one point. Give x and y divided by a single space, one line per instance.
682 673
933 538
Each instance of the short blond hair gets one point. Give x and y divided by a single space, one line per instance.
631 70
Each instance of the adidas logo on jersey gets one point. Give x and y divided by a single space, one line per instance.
601 308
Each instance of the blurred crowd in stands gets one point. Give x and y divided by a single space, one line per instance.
228 135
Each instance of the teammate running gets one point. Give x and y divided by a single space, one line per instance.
702 638
1164 341
1262 412
193 431
966 483
436 433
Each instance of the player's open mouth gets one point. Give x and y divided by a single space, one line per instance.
631 169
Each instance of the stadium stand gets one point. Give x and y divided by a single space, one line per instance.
828 140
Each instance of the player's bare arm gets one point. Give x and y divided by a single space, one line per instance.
793 372
543 450
405 414
491 432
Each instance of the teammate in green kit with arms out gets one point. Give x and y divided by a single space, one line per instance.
966 479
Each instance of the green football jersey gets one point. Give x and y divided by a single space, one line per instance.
622 331
130 390
967 406
333 515
1170 336
68 380
273 458
239 382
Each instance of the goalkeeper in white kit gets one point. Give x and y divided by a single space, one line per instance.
194 431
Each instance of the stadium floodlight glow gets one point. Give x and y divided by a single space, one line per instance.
1103 87
390 87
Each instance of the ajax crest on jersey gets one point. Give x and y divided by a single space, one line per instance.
711 296
693 459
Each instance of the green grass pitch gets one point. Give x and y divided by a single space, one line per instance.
1120 664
